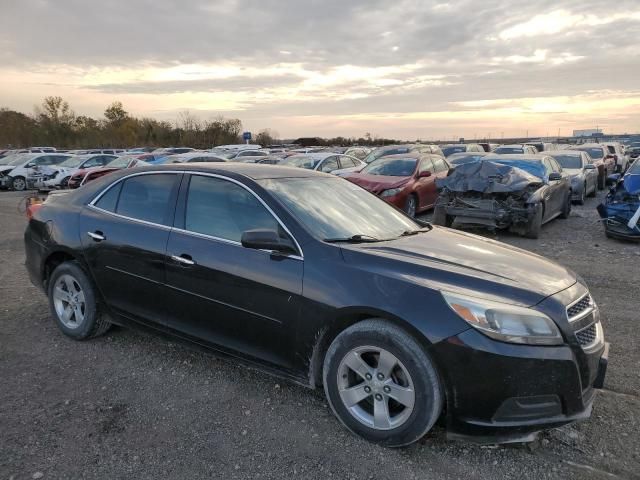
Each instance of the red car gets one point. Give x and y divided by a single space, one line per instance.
407 181
86 175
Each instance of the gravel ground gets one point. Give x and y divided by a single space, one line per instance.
131 405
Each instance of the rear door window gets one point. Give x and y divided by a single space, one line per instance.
148 197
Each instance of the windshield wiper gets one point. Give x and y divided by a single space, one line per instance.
354 239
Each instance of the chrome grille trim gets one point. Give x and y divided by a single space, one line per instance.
580 308
590 337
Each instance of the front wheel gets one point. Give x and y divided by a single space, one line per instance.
73 303
583 195
536 223
19 184
381 384
411 206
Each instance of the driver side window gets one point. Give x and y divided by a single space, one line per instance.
222 209
329 165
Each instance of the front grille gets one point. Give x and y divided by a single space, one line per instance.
588 335
579 307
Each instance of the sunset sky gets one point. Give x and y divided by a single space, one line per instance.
405 69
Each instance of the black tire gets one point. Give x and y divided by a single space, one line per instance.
594 192
19 184
429 396
64 183
583 195
440 216
411 207
566 208
601 181
536 223
95 322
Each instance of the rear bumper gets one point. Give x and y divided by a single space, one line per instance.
499 393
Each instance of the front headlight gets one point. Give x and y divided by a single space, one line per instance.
391 192
507 323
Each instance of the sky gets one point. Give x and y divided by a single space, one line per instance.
406 69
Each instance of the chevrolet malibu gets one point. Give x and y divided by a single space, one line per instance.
312 278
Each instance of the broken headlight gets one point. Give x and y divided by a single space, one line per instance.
508 323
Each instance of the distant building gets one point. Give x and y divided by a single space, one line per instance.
594 132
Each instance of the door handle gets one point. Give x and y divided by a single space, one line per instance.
97 236
184 259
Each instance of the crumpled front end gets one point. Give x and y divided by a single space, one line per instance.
487 194
620 213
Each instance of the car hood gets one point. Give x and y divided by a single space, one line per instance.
573 172
446 259
377 183
6 168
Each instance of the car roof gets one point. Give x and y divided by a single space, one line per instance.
564 152
399 156
514 145
254 171
316 155
528 157
589 145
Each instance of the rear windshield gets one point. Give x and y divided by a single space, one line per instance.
392 167
509 150
593 152
450 150
385 152
569 161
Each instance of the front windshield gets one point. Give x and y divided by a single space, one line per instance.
333 208
453 149
533 167
300 161
569 161
383 152
503 150
594 152
392 167
73 162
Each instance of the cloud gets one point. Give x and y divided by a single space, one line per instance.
284 60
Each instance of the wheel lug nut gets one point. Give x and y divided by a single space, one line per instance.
380 376
367 389
368 376
378 397
387 389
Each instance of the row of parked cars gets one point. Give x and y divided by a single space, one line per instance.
517 187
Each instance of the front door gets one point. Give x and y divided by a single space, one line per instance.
238 299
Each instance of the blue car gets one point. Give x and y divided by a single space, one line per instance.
620 210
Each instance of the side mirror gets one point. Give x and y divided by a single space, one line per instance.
555 176
30 165
264 239
589 166
424 174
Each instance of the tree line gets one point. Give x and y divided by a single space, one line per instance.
54 123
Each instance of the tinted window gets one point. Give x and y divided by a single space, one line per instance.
109 200
454 149
146 197
222 209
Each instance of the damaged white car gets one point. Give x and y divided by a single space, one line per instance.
57 176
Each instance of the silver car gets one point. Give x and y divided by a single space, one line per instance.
584 174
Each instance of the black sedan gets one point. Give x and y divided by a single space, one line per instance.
313 278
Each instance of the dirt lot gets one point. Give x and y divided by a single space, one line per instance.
129 405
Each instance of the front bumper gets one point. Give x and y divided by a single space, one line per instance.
499 392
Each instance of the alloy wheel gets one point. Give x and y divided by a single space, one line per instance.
376 388
411 206
69 301
19 184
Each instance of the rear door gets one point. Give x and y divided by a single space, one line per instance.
557 189
220 293
425 186
124 233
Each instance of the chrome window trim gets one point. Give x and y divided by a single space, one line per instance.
196 234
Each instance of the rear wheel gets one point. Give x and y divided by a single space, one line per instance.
580 201
381 383
19 184
73 303
566 208
594 191
411 206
